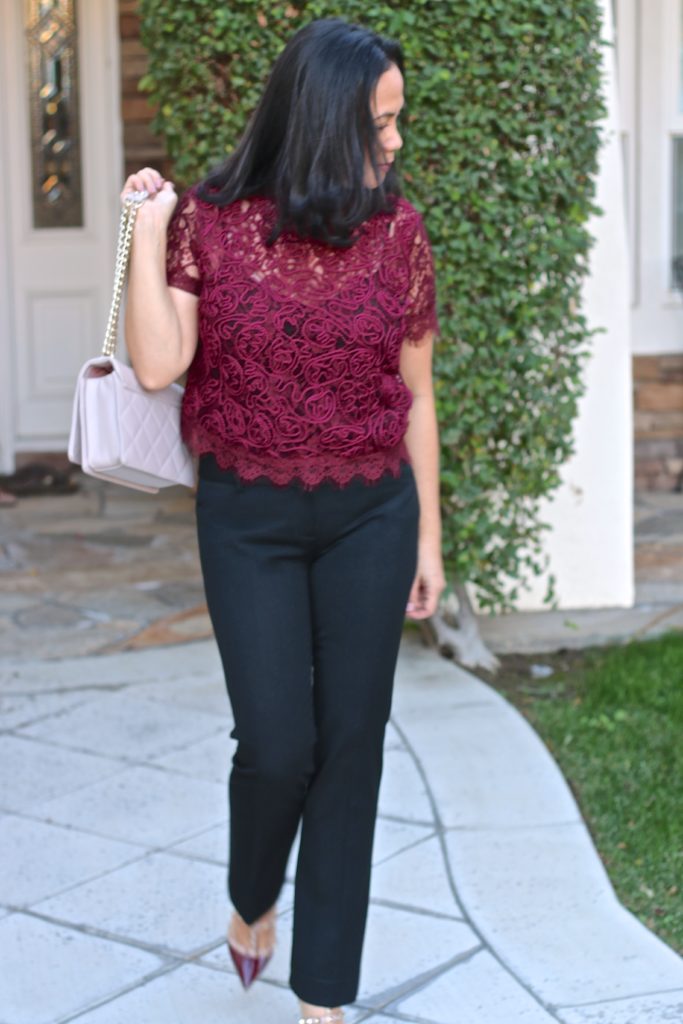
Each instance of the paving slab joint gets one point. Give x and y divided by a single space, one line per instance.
385 1002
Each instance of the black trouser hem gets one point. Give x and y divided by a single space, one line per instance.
323 993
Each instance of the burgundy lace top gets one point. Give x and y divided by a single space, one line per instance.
296 373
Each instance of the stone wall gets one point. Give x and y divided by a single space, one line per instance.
658 415
141 147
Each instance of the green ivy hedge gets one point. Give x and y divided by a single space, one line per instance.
504 110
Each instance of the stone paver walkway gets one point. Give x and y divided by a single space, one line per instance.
103 569
489 904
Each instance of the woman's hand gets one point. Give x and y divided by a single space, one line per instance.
428 584
162 198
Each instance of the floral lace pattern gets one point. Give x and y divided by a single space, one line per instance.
296 373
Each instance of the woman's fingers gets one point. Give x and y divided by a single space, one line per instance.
424 607
161 196
424 595
418 599
149 179
146 180
414 595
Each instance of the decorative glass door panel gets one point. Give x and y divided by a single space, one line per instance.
53 101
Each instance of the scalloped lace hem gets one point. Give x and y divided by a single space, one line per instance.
313 471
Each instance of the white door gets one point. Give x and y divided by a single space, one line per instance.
60 174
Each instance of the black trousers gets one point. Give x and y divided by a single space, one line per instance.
307 593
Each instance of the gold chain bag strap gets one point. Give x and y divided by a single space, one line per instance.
120 431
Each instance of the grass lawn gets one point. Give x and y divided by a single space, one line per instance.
613 720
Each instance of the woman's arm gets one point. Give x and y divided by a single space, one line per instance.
160 322
422 442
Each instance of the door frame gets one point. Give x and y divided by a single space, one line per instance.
97 24
6 306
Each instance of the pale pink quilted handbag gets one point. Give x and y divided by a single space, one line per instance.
120 431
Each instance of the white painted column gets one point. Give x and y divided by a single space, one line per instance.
6 291
590 544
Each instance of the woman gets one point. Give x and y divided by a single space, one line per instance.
296 287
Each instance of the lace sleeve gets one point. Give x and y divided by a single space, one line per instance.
421 315
181 264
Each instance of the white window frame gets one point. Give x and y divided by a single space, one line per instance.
629 74
671 92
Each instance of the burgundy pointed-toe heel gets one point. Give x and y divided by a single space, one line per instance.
248 967
248 961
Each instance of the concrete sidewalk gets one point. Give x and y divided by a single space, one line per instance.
489 904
